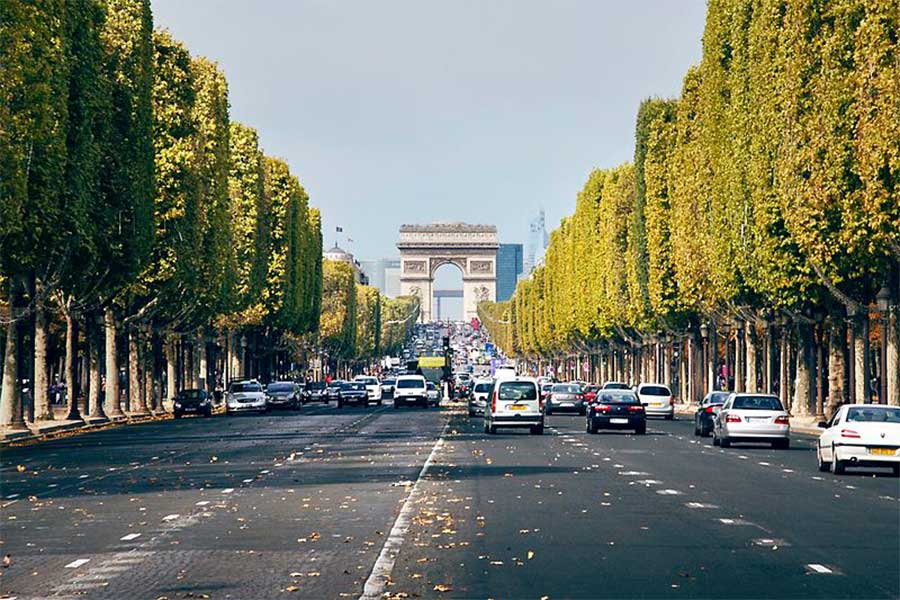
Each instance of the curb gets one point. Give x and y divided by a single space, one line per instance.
53 431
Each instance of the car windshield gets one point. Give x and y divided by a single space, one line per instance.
871 414
240 388
655 390
615 386
409 383
623 397
716 398
563 388
191 394
280 387
517 390
591 388
482 387
756 403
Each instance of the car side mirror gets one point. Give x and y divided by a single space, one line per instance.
822 424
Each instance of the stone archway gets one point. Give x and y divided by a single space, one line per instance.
472 248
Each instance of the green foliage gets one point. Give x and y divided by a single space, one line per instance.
337 322
368 322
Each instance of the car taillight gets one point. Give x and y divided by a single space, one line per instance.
671 400
782 420
708 409
849 433
494 402
601 407
635 409
579 396
732 419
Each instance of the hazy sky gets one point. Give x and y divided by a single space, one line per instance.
413 111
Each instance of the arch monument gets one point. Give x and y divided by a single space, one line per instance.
472 248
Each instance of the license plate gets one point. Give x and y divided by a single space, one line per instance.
882 451
618 421
566 404
517 407
656 404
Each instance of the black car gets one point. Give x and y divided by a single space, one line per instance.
353 392
314 391
283 394
616 409
194 402
706 413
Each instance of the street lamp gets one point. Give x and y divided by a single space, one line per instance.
704 333
883 301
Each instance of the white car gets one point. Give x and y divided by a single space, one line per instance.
245 395
657 400
481 391
411 389
860 435
515 402
752 418
373 388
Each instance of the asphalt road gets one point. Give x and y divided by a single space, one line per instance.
328 503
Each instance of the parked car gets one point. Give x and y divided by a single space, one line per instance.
283 394
617 409
514 403
616 385
387 387
565 397
860 435
372 387
706 412
411 389
752 418
196 402
245 395
333 389
481 391
657 399
353 392
434 396
314 391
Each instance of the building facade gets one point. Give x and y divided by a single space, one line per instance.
339 254
384 274
538 238
509 268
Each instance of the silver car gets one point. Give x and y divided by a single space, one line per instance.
565 397
478 400
752 418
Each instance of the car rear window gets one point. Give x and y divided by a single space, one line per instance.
191 394
562 388
655 390
756 403
870 414
605 397
409 383
517 390
615 386
716 398
315 385
354 385
389 381
245 387
482 387
280 387
367 380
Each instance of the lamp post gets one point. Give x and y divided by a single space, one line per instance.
704 333
244 355
883 301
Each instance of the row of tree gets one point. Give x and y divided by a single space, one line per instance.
358 324
760 219
139 226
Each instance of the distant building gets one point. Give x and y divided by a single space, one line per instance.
384 274
509 267
537 243
339 254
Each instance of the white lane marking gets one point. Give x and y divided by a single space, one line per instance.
247 481
384 565
668 492
700 505
227 490
170 517
727 521
649 482
202 503
265 472
820 569
628 473
77 563
787 470
764 464
11 496
130 536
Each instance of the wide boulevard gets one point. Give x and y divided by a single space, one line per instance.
377 502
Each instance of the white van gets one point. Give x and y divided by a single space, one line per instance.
514 402
411 389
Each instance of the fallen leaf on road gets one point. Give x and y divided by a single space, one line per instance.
20 468
443 588
291 588
530 554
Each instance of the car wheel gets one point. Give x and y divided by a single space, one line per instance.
715 438
837 466
823 466
590 428
705 431
471 413
379 403
549 411
725 443
896 470
582 412
781 444
696 429
641 430
340 404
670 417
537 430
177 415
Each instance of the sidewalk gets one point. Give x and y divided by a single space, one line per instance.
48 429
806 425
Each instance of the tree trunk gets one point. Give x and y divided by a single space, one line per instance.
149 387
819 371
171 388
860 351
112 406
203 371
784 375
837 343
803 387
770 358
11 396
893 359
71 367
42 409
135 400
92 348
739 358
752 342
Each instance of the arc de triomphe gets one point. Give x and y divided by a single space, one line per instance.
472 248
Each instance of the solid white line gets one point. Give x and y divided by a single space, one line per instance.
170 517
77 563
227 490
821 569
130 536
381 571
